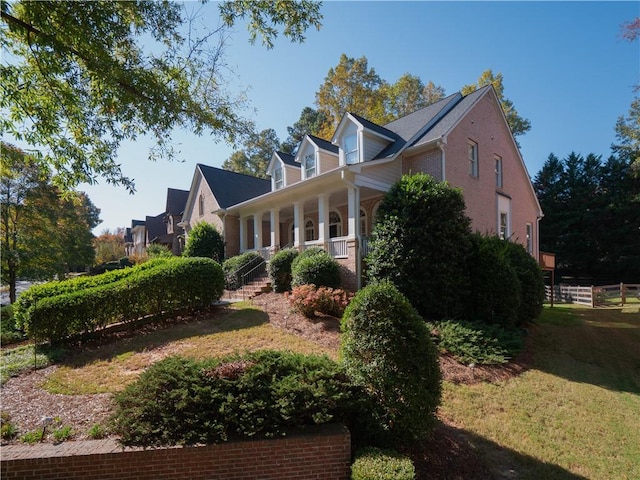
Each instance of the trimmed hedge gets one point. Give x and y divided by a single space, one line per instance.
376 464
62 309
280 269
180 401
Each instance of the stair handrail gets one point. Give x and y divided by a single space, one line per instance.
237 275
252 274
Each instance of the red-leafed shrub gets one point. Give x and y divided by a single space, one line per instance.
309 299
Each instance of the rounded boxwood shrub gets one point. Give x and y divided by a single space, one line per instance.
204 240
180 401
386 348
280 269
375 464
320 269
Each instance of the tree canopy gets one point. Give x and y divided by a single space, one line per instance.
77 79
592 216
43 233
256 154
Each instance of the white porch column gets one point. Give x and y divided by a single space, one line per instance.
323 218
353 195
243 234
275 227
298 224
257 231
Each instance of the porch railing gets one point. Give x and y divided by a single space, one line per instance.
338 247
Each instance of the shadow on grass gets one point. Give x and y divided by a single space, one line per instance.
596 346
163 332
457 454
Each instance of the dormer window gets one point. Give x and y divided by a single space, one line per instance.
351 149
278 179
309 165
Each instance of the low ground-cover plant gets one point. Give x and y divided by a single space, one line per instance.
20 359
170 285
309 299
477 343
315 266
280 269
375 464
8 430
387 350
180 401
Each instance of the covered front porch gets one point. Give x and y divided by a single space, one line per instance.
331 212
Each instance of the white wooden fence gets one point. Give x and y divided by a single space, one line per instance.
619 294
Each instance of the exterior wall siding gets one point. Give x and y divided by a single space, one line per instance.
372 146
210 205
429 162
327 162
484 125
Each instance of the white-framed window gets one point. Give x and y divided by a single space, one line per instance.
473 158
335 224
278 180
201 204
363 222
498 164
351 149
309 165
309 230
530 238
504 226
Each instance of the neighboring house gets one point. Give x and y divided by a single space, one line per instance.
212 192
136 242
128 242
329 192
176 202
157 231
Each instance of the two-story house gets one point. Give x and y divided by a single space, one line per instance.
328 193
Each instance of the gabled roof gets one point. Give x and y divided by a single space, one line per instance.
410 128
375 127
288 159
176 201
155 226
444 126
231 188
323 144
137 223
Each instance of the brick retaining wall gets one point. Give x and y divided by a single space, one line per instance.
321 452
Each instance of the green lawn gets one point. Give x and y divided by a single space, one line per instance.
574 414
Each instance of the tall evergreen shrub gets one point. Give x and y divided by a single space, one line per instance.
420 243
387 349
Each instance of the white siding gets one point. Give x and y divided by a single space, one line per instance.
373 146
387 173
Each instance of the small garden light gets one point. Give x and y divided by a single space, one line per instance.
46 421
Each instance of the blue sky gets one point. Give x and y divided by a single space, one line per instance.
565 68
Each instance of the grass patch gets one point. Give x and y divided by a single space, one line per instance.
577 408
110 368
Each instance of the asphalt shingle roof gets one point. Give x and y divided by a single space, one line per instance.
176 201
288 159
231 188
324 144
155 226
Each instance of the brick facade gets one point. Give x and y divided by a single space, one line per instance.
321 452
